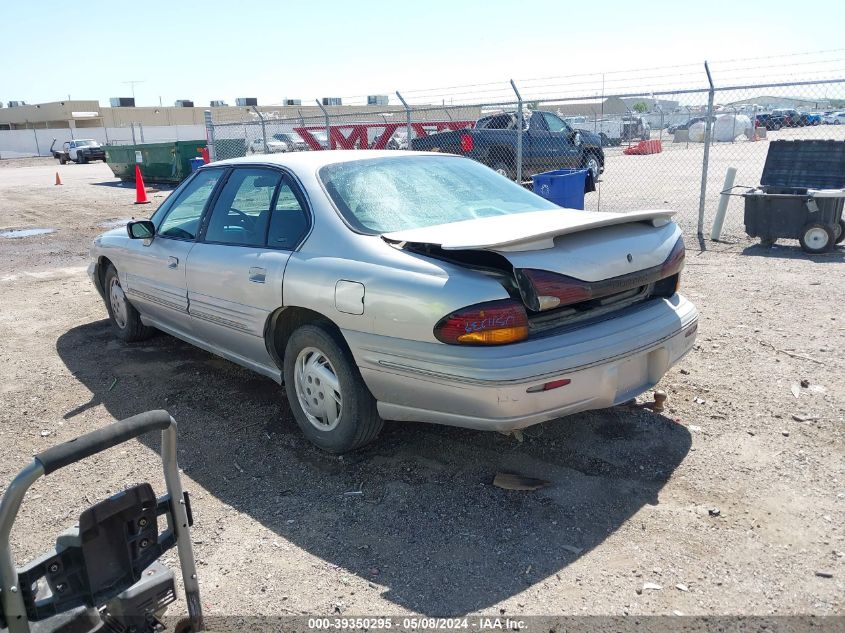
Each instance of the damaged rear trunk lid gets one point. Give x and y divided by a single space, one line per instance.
564 265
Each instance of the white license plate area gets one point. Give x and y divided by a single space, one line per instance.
632 374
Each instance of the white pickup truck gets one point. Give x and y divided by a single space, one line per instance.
80 151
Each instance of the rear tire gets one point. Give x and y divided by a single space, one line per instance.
62 160
501 167
124 318
816 238
328 397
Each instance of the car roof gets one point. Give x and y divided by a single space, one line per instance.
314 160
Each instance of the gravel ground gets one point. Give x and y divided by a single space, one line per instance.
632 498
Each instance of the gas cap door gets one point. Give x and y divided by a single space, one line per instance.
349 297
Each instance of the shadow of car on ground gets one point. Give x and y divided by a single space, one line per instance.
427 523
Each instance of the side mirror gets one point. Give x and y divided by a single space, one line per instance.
141 230
576 138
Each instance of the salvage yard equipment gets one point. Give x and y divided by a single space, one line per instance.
103 574
801 195
159 162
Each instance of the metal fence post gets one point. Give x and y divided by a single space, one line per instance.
141 128
708 126
518 132
328 125
35 134
263 129
209 136
408 115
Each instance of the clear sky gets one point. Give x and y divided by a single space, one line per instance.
213 49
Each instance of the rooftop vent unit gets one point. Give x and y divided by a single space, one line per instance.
184 103
377 100
16 104
292 102
218 104
122 102
246 101
332 101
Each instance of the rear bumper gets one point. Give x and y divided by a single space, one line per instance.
486 388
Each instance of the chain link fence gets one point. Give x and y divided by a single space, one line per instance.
665 149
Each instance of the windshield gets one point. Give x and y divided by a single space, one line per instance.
391 194
86 143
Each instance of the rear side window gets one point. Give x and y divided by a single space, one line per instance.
183 217
288 221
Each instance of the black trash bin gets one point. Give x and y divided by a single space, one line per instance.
801 195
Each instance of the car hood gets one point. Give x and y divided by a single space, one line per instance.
531 231
589 138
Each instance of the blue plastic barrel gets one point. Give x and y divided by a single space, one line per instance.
564 187
196 163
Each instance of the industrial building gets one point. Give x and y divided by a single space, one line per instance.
90 114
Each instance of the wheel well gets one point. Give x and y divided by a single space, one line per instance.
103 264
284 321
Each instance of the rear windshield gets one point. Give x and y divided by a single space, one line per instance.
381 195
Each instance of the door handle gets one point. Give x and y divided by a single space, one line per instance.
257 275
172 262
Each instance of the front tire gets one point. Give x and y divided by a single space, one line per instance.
328 397
816 238
124 318
591 163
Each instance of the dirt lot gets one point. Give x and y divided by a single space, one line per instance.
632 493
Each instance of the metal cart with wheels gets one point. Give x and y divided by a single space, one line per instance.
103 574
801 195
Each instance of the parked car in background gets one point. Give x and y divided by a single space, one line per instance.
686 124
769 121
834 118
548 143
81 150
403 286
789 117
809 118
277 143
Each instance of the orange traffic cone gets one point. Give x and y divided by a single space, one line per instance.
140 192
58 180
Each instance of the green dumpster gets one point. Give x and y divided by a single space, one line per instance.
159 162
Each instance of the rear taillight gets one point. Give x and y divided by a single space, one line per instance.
552 290
490 323
675 262
466 143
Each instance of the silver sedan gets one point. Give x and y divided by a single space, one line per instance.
403 286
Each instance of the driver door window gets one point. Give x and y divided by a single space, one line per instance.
241 214
183 218
555 124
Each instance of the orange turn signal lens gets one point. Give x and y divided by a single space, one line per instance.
496 337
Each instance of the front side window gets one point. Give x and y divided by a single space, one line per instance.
242 211
555 124
183 217
391 194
